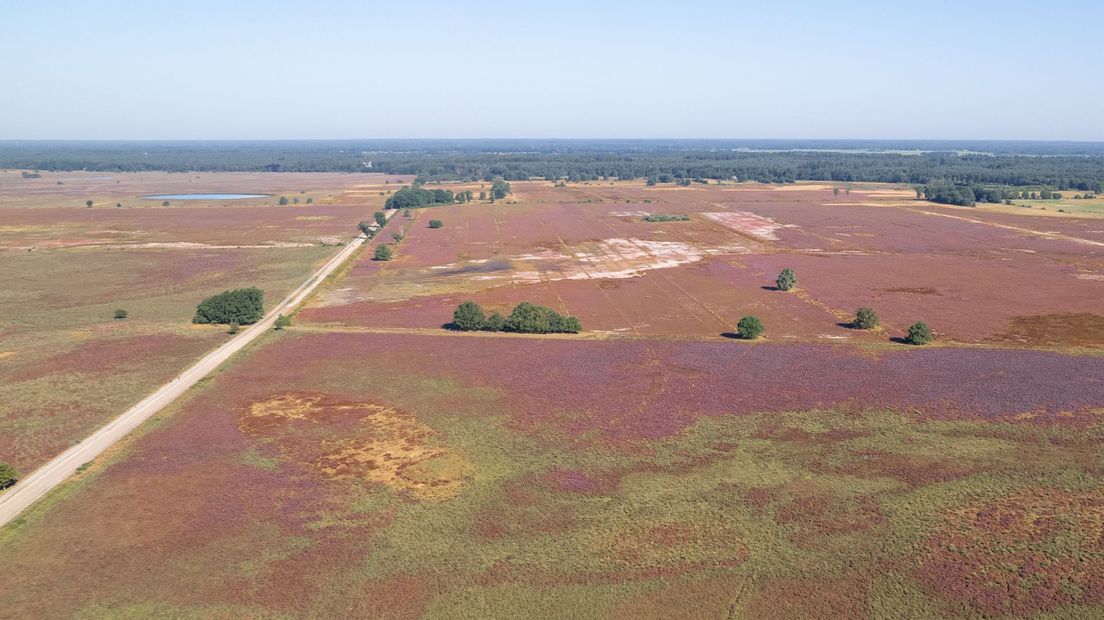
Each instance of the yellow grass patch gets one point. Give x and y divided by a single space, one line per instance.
370 442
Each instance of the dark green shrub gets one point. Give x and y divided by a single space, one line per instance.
436 224
283 200
8 475
865 318
243 306
528 318
662 217
282 322
786 280
88 203
383 253
468 317
919 333
495 323
749 328
120 314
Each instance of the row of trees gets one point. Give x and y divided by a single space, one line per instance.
1066 166
526 318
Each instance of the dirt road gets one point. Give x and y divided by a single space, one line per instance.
16 499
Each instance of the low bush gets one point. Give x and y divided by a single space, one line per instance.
749 328
242 306
786 280
282 322
233 328
120 314
436 224
865 318
8 475
383 253
494 323
919 333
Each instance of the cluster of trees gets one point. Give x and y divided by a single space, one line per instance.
240 306
966 195
414 197
526 318
1066 166
663 217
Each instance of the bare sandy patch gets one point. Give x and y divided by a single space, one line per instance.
360 440
748 223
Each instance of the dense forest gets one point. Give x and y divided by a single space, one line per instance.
1057 165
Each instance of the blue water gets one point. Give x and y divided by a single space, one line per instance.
202 196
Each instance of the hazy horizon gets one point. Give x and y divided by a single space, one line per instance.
857 70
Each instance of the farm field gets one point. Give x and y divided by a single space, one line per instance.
975 276
368 462
66 366
412 476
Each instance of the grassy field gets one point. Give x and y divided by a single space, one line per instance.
66 365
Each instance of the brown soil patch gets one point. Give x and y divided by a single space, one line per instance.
359 440
1068 328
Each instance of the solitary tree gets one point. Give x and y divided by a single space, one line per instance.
383 253
865 318
786 280
436 223
120 314
397 236
380 217
365 227
8 475
118 205
919 333
283 200
468 316
835 191
165 204
482 195
233 328
749 327
282 322
310 201
88 203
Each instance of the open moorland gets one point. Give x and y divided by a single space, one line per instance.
976 275
66 365
367 462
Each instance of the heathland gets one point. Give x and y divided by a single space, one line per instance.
365 461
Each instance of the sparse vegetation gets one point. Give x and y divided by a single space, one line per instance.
243 306
749 328
919 333
786 280
865 318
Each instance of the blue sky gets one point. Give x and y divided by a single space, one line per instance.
334 69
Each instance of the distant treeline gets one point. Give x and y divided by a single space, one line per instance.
1057 165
